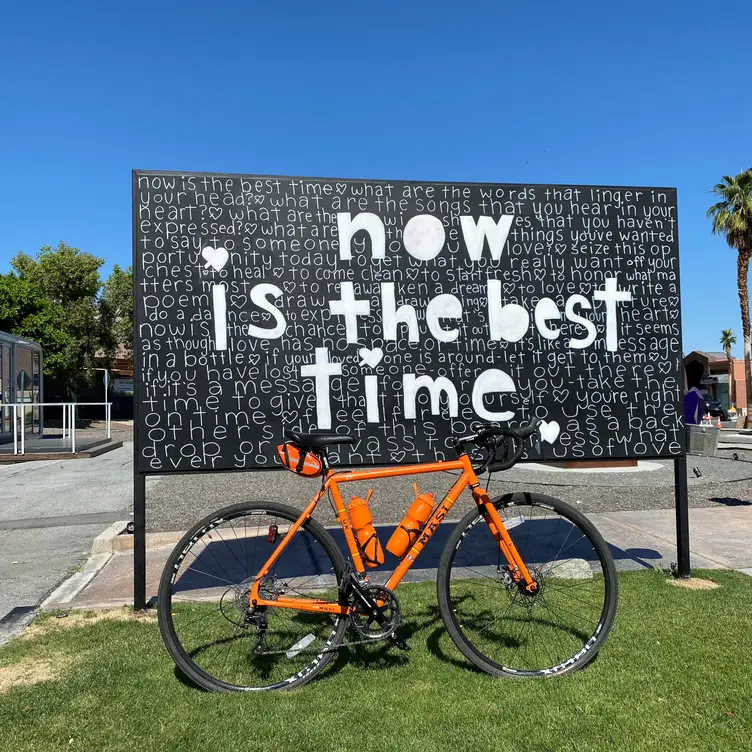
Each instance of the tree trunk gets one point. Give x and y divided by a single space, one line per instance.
742 271
732 385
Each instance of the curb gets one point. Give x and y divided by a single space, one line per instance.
124 543
15 621
76 582
104 542
115 540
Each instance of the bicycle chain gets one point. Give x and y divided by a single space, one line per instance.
341 645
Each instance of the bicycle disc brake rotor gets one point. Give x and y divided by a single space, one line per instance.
516 590
390 614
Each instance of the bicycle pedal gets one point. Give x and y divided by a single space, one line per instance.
399 641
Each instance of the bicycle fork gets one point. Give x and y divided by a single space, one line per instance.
519 572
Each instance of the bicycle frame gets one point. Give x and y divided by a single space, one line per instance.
331 482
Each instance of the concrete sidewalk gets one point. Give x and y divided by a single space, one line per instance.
50 514
721 538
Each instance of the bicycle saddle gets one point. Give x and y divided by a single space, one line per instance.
318 439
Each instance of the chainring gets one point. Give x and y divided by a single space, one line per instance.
369 626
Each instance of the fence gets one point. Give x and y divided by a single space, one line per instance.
69 420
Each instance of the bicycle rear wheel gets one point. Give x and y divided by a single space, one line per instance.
498 626
211 632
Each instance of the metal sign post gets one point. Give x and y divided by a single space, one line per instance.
139 540
682 517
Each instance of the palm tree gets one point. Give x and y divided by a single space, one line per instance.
732 217
728 339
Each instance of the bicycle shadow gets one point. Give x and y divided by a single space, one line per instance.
227 559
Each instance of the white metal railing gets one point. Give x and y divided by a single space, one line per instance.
69 420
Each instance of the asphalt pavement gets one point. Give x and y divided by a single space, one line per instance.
50 513
174 502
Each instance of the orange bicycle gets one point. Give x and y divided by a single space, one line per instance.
259 595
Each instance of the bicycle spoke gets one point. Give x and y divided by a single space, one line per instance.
224 636
511 628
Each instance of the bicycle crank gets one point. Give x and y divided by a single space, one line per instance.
376 612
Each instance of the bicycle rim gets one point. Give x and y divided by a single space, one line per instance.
214 636
502 629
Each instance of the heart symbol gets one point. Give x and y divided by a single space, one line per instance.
560 395
371 357
215 212
341 188
549 431
238 301
288 285
215 257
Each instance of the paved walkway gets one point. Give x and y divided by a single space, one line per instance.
50 514
721 537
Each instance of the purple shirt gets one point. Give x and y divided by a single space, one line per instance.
694 406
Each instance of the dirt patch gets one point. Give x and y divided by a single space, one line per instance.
694 583
75 619
28 672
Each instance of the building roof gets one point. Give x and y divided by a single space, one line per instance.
12 339
710 357
123 353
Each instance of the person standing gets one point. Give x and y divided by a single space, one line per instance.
694 399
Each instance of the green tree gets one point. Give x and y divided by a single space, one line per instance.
116 311
732 218
727 340
53 299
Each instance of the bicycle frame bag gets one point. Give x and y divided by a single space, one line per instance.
300 461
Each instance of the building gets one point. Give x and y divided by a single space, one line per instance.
21 380
715 380
120 381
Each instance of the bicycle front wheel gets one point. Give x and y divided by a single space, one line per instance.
207 623
498 626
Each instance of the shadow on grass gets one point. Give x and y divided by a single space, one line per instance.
186 681
433 643
384 654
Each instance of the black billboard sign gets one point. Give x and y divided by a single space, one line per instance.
400 312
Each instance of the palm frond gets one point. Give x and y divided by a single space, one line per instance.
732 215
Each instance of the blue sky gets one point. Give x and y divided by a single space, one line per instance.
640 93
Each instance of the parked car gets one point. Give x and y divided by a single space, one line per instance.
716 409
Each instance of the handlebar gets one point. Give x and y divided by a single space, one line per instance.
489 437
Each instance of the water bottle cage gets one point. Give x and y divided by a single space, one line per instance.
412 535
362 548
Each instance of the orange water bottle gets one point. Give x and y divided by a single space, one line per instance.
408 530
365 533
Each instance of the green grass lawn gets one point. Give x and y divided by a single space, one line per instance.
675 675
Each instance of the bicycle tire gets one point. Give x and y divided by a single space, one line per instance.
449 605
187 665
